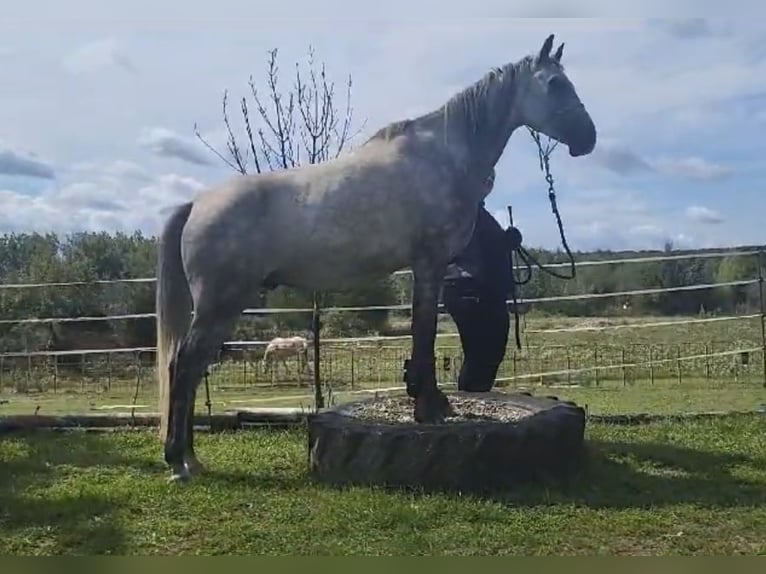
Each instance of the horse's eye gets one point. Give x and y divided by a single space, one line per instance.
556 85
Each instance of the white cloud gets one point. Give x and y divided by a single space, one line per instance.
86 196
171 188
22 212
613 218
623 161
114 171
654 236
620 160
166 143
26 165
97 55
694 168
702 214
604 234
98 201
688 27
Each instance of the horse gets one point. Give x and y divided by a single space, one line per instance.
280 348
408 196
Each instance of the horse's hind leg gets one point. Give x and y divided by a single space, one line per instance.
193 464
209 329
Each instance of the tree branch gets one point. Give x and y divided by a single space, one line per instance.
304 120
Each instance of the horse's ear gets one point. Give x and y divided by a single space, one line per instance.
545 51
559 53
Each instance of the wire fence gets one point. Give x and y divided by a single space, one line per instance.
706 352
366 366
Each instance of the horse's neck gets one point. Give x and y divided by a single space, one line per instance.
475 145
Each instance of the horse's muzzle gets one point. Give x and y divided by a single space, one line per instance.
583 138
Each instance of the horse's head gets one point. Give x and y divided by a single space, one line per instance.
548 103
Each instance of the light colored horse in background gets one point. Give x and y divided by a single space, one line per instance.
282 348
407 197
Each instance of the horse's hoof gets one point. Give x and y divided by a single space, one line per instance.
180 476
432 407
194 466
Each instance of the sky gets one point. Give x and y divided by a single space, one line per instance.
98 106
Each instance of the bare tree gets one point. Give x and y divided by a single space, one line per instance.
309 122
304 125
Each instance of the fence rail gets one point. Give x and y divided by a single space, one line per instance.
370 366
402 307
357 362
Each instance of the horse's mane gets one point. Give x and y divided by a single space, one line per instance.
391 130
471 107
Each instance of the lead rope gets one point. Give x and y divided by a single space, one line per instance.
525 256
544 157
516 241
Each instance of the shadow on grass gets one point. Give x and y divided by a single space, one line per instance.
624 475
41 492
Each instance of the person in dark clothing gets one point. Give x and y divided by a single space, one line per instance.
476 287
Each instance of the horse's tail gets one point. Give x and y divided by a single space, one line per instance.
173 305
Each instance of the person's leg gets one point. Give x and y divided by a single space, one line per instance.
492 339
470 340
483 328
464 311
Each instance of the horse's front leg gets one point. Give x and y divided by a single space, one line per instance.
431 404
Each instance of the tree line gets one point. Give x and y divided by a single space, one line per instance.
86 257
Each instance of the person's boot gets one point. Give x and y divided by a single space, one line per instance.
475 380
411 390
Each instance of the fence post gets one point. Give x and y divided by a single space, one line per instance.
138 386
763 313
244 367
315 327
651 364
678 363
109 371
624 372
595 364
82 372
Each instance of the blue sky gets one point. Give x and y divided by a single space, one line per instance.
97 109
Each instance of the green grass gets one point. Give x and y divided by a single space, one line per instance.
693 487
611 397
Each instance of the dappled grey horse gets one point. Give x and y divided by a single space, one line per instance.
406 197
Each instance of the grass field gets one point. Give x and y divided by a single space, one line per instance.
669 487
694 487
